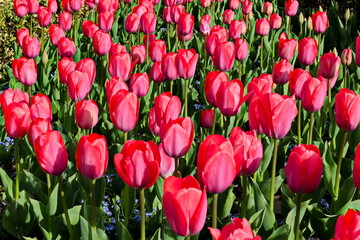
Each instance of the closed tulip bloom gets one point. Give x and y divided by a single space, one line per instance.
241 49
238 229
286 48
33 6
176 11
186 23
216 166
207 118
12 96
124 110
153 126
320 21
205 24
138 163
259 86
281 71
272 114
297 79
101 42
65 67
65 20
79 85
86 114
347 226
267 8
185 61
213 81
275 21
234 4
262 27
75 5
157 49
247 149
346 57
132 23
219 31
166 107
140 84
66 47
299 176
17 119
106 20
313 94
229 97
89 28
308 51
347 106
148 37
148 23
55 33
212 41
138 54
177 136
44 16
168 66
247 6
51 152
356 169
21 8
31 47
114 85
116 48
185 205
357 51
291 7
40 107
20 36
107 6
167 164
25 70
87 66
53 6
36 128
166 16
237 28
227 16
156 73
205 3
120 65
329 65
92 156
224 56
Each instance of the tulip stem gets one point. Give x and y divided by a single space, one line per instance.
299 122
239 70
273 172
288 22
42 41
93 204
171 86
213 123
187 238
31 20
147 51
345 77
65 209
186 98
17 159
261 54
338 167
125 137
297 217
48 181
244 197
142 211
168 35
311 128
214 210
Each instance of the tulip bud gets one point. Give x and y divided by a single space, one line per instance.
86 114
139 84
79 85
207 118
224 56
281 71
120 65
262 27
347 106
301 18
17 119
65 20
347 15
346 57
310 24
329 65
25 70
101 42
66 47
44 58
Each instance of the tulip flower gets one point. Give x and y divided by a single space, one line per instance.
281 71
132 23
20 36
65 67
101 42
329 65
205 24
138 163
114 85
51 152
148 23
66 47
55 33
13 96
320 21
224 56
247 6
275 21
239 229
17 119
212 41
86 114
291 7
185 62
227 16
36 128
89 28
21 8
175 12
262 27
120 65
346 57
106 20
207 118
65 20
356 169
347 226
213 81
347 109
234 4
166 107
205 3
92 156
296 81
124 110
166 16
87 66
308 51
156 73
186 23
116 48
185 205
79 85
241 49
44 16
267 8
157 49
167 164
139 84
31 47
229 97
286 48
138 54
237 28
25 70
357 51
259 86
40 107
168 66
53 6
33 6
313 94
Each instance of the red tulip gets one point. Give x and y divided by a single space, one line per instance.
86 114
25 70
153 126
167 164
299 176
124 110
40 107
132 23
356 169
212 41
262 27
329 65
53 6
259 86
106 20
166 107
107 6
186 23
114 85
36 128
79 85
275 21
320 21
13 96
313 94
212 83
120 65
157 49
101 42
229 97
87 66
286 48
227 16
267 8
89 28
224 56
237 28
347 109
138 54
167 15
296 81
65 20
156 73
33 6
185 62
148 23
75 5
65 67
20 36
139 84
308 51
216 166
238 229
332 80
55 33
247 6
205 24
281 71
241 49
347 226
138 163
234 4
92 156
177 136
44 16
357 51
21 8
116 48
291 7
168 66
205 3
31 47
185 205
272 114
207 118
346 57
17 119
66 47
151 38
175 12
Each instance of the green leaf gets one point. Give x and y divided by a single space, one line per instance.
87 232
267 157
7 183
42 217
122 232
290 219
226 201
53 200
157 235
127 202
329 169
282 233
346 193
74 215
257 219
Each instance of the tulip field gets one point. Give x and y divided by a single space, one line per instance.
180 119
